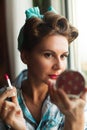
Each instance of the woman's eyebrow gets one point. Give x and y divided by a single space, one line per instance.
67 52
49 50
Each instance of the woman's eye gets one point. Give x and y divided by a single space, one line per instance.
48 55
64 56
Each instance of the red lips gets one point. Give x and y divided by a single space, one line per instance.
53 76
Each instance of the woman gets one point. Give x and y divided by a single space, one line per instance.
43 44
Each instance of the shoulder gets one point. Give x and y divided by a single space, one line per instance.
22 76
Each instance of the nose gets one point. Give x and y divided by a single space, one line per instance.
57 64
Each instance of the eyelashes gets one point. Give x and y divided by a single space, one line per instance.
48 55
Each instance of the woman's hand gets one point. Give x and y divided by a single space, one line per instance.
10 111
73 108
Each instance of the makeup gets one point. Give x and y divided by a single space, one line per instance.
9 87
9 82
72 82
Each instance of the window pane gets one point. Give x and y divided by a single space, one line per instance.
81 9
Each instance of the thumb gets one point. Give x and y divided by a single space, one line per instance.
84 94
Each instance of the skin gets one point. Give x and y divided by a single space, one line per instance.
50 57
46 62
12 115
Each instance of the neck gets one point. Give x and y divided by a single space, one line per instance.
35 93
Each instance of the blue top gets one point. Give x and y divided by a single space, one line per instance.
52 118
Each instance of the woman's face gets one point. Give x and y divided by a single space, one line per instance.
49 59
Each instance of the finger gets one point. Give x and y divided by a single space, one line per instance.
64 98
3 97
50 88
7 94
15 100
6 108
84 94
12 115
8 104
54 95
14 97
15 111
52 92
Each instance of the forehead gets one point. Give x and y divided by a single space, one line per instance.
57 42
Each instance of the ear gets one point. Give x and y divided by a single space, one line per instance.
24 57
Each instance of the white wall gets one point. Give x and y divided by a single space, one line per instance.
15 18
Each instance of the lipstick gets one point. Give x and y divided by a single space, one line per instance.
53 76
8 81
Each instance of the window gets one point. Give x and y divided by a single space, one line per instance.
76 13
81 9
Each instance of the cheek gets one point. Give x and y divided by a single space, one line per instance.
64 65
40 71
40 66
